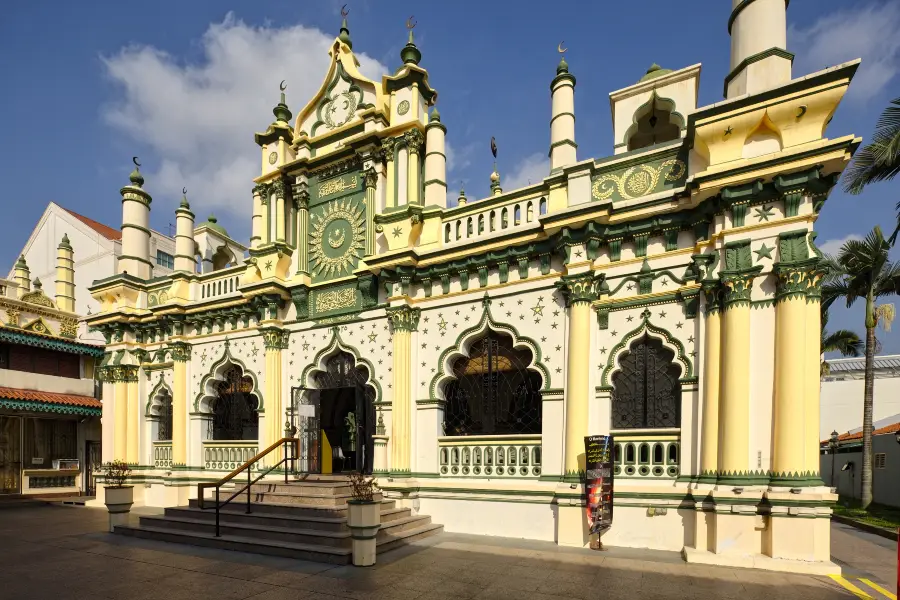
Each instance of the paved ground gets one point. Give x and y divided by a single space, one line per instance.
864 557
63 553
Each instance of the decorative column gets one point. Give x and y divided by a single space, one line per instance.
734 408
120 435
65 276
414 143
132 451
135 257
301 197
371 180
185 257
275 341
278 187
579 291
257 219
266 213
388 148
435 161
181 355
22 277
404 320
813 355
709 440
562 119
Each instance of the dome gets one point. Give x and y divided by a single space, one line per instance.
653 72
213 223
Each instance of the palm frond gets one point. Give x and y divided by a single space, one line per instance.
880 159
844 341
833 290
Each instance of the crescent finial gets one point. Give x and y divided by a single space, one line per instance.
281 86
410 24
134 159
560 48
344 11
184 191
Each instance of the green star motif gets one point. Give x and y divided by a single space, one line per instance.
764 212
763 252
268 265
397 231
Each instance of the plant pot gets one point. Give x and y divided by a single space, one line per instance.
118 502
364 521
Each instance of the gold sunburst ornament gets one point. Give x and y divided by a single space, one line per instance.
340 225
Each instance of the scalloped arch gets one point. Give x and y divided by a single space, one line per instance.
666 104
216 373
463 343
154 394
668 340
335 345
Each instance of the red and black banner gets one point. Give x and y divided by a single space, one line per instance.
598 481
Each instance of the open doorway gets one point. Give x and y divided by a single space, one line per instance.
346 428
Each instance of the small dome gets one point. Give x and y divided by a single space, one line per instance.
136 178
495 176
213 223
653 72
562 67
435 116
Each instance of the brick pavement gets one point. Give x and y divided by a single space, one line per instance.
63 553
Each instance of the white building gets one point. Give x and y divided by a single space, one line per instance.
842 393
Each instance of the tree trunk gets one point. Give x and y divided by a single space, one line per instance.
868 400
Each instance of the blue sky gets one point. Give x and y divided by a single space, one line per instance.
184 85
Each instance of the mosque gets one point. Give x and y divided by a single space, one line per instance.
460 349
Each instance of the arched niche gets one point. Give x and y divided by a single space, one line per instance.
646 390
764 139
654 122
159 411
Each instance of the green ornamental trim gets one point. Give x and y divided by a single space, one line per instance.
583 287
38 341
404 318
227 358
737 286
486 322
275 339
774 51
118 373
796 280
646 327
337 343
740 478
179 351
29 405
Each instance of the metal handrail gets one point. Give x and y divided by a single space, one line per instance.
288 442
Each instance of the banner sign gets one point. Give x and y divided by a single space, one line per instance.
598 481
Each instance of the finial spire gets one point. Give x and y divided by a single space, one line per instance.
563 66
345 32
410 53
184 200
281 111
136 178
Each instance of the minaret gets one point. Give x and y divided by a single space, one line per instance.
435 161
22 277
496 190
759 59
462 200
562 119
184 237
65 276
135 257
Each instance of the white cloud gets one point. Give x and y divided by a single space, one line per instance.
531 169
833 247
199 117
869 32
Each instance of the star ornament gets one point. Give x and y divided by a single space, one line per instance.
763 213
763 252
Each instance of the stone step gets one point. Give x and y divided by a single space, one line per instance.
303 497
393 541
236 514
286 508
313 488
259 531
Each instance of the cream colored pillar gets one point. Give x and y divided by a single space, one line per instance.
759 59
390 200
301 196
266 211
135 257
279 187
371 180
562 119
404 320
256 230
435 161
734 407
413 145
275 341
132 445
65 276
181 354
120 436
22 277
579 291
185 253
709 440
813 355
790 377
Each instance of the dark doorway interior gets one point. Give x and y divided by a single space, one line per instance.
338 418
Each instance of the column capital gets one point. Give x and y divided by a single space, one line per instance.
582 287
414 140
279 186
712 290
404 318
799 279
275 338
370 177
387 149
737 286
300 193
181 351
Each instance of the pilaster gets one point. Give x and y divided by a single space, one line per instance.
371 181
404 320
181 355
275 341
301 197
391 187
414 141
712 369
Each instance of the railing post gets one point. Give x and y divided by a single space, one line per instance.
248 489
217 511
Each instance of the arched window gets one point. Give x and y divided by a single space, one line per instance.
494 392
543 206
164 429
447 232
655 125
235 412
646 391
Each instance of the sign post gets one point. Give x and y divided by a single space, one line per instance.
598 483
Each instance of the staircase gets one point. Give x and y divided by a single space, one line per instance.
301 519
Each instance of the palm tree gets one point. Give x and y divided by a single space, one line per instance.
880 159
862 269
843 340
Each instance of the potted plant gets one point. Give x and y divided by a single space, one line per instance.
117 496
363 519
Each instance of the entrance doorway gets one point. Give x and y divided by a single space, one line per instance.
10 455
336 418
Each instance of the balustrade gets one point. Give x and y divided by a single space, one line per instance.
491 456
